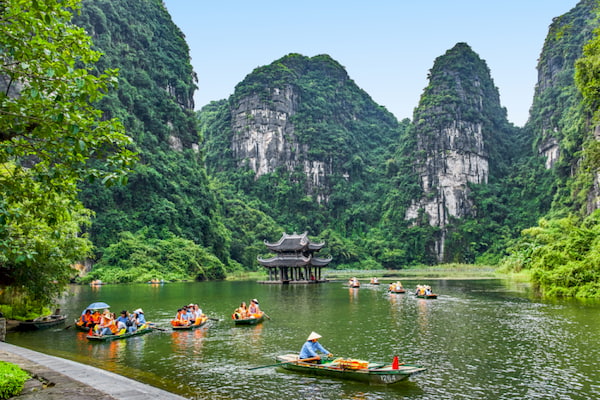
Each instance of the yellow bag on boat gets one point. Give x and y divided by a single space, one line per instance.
350 363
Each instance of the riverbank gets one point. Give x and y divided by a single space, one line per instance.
57 378
442 271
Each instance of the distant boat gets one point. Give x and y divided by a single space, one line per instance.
424 292
397 290
156 281
427 296
96 282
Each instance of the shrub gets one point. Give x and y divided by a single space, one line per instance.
12 379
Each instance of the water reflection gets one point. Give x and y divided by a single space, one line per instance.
479 339
353 293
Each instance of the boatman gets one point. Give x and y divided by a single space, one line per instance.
312 346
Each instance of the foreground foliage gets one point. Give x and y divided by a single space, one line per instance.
168 191
563 256
12 379
51 139
562 253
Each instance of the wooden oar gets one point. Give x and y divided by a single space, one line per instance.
215 319
154 326
287 362
265 314
67 327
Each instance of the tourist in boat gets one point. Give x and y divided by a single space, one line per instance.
107 324
180 318
254 309
86 319
189 314
124 322
312 347
353 282
241 312
139 317
199 315
132 322
374 281
96 317
194 314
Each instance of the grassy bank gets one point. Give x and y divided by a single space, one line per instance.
246 276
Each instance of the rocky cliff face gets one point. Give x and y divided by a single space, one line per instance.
458 119
139 38
304 115
556 118
555 91
264 138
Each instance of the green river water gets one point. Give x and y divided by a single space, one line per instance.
481 339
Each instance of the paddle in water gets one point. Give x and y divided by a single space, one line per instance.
287 362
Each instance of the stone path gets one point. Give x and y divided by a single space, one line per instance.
58 378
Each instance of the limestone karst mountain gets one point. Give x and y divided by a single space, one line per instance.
461 135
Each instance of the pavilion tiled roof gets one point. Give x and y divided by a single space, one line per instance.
294 242
279 261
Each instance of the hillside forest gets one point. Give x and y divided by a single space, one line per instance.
109 173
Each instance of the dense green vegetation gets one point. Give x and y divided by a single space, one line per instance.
167 197
138 258
562 254
12 379
51 139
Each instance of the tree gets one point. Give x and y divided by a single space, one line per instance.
52 137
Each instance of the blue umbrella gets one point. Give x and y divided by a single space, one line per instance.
97 306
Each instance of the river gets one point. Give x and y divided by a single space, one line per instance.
480 339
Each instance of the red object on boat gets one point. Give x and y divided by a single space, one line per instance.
395 363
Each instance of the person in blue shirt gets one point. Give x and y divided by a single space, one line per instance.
122 321
139 316
312 346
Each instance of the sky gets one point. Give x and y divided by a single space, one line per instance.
386 46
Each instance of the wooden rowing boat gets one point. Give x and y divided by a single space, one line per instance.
371 373
397 291
108 338
427 296
250 320
42 322
190 327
